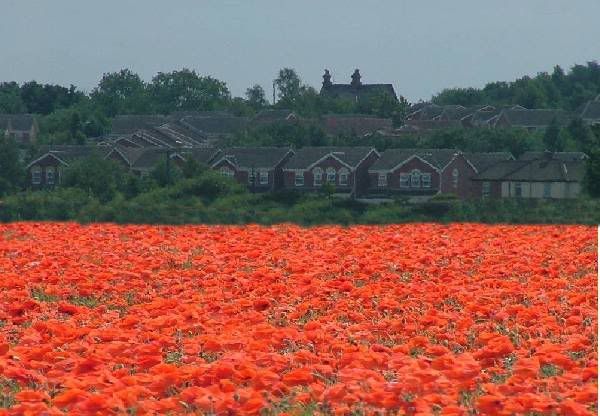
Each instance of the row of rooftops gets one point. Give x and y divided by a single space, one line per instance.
533 166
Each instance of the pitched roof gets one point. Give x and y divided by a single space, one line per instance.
424 125
591 111
70 153
391 158
484 160
216 125
534 171
272 116
536 117
362 92
563 156
254 157
128 124
359 124
306 156
19 122
204 155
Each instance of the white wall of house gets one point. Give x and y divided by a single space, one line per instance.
557 190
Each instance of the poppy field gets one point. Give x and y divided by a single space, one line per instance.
415 319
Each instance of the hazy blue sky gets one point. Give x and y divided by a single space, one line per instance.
419 46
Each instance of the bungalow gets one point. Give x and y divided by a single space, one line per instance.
260 168
46 170
553 176
23 128
346 168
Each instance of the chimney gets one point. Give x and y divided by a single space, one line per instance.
356 79
326 79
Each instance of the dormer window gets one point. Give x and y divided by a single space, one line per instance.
225 171
50 176
415 179
317 176
344 176
263 177
299 178
330 175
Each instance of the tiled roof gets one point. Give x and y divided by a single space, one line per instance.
534 171
271 116
535 118
424 125
306 156
591 111
391 158
563 156
361 93
69 153
359 124
216 125
128 124
254 157
19 122
482 161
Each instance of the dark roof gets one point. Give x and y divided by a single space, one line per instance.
535 118
391 158
482 161
306 156
272 116
254 157
359 124
359 92
591 111
204 155
563 156
534 171
424 125
19 122
216 125
128 124
69 153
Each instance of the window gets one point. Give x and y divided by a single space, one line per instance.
404 178
50 176
547 190
263 177
426 180
415 179
251 177
318 176
486 189
382 179
299 179
344 176
455 178
225 171
518 190
330 175
36 175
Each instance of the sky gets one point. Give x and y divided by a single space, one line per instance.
421 47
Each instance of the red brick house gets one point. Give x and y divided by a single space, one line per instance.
259 168
426 172
354 124
344 167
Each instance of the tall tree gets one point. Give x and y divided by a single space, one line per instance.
11 168
185 90
122 92
288 86
256 97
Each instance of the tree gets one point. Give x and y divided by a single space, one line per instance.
256 97
12 171
288 85
592 174
185 90
99 177
552 137
10 98
121 92
582 135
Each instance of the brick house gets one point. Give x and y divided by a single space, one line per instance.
259 168
354 124
23 128
344 167
547 176
531 120
46 170
356 91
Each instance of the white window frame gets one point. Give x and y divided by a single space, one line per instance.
404 180
426 180
519 188
330 175
251 177
263 177
415 178
227 172
50 176
317 176
299 178
343 174
36 175
486 189
382 180
455 174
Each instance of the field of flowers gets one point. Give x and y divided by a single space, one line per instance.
406 319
